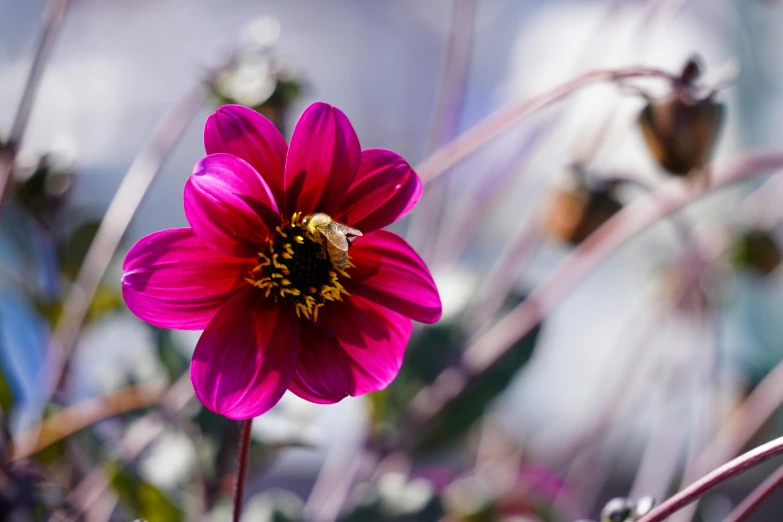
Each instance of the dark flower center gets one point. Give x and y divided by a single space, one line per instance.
295 265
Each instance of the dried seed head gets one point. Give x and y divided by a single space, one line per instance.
680 134
574 212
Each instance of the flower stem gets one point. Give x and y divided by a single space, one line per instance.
506 117
731 469
756 497
242 460
52 19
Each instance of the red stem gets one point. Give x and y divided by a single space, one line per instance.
742 463
757 496
242 461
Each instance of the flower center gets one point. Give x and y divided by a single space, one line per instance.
296 265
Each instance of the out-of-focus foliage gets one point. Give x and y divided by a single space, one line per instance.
435 348
44 190
257 79
143 499
412 469
26 495
394 498
756 250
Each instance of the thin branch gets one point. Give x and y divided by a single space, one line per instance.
626 224
756 497
52 20
711 480
86 413
242 462
506 117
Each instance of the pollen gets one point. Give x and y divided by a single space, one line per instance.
294 265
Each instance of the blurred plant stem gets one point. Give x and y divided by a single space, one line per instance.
634 218
503 276
522 246
242 461
133 444
86 413
690 494
449 104
587 469
746 420
658 468
122 208
756 497
464 216
52 20
506 117
334 481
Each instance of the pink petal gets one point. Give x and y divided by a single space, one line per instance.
243 132
373 338
385 189
390 273
247 356
322 161
230 206
172 280
323 375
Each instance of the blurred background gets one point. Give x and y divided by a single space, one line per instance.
656 367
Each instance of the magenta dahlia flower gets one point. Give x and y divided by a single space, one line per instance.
278 310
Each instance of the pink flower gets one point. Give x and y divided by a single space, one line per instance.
276 313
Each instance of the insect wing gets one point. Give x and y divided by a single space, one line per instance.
335 233
335 237
345 229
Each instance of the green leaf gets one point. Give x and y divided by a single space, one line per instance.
143 499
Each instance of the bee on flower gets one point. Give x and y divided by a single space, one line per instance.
285 266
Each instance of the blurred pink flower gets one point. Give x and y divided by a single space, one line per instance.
276 313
